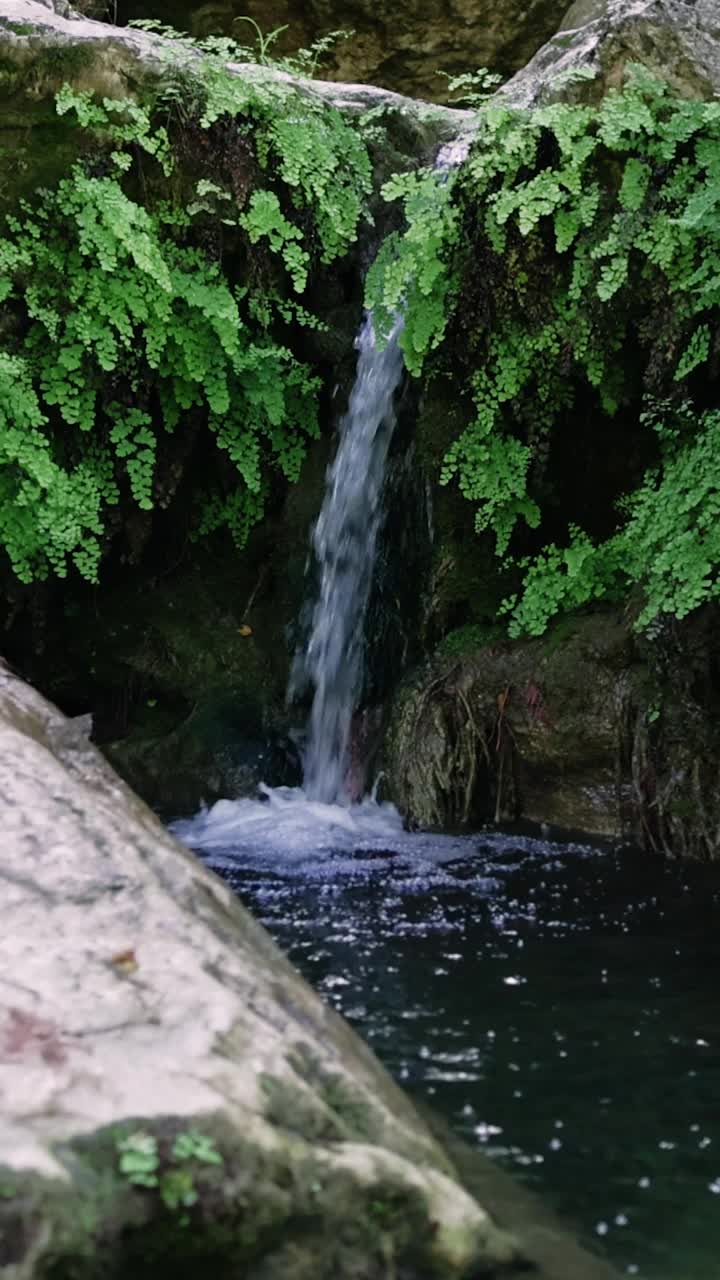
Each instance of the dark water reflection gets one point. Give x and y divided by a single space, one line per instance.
558 1004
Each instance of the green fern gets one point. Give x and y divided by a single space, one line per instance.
126 330
411 272
596 228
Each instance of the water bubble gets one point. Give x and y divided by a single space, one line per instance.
483 1132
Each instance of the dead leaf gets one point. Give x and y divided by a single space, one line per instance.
125 962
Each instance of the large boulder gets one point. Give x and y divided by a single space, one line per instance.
141 1003
174 1099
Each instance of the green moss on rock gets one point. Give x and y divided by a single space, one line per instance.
262 1215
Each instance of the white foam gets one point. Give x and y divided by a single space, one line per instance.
283 825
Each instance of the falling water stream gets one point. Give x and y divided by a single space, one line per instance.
557 1002
344 541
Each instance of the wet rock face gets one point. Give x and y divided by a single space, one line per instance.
676 743
536 730
400 46
591 728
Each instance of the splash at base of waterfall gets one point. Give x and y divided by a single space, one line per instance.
288 826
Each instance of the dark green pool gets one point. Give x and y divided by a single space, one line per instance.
559 1004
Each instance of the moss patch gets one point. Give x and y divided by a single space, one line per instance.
261 1214
353 1113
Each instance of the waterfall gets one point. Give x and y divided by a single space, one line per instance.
296 822
344 541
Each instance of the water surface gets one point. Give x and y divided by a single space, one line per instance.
557 1002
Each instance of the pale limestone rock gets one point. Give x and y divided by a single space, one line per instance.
119 57
677 40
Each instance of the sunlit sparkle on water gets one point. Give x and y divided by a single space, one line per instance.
557 1002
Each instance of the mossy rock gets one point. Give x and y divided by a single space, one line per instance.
534 729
